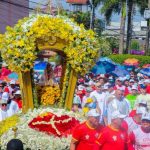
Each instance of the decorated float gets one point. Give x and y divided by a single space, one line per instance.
46 128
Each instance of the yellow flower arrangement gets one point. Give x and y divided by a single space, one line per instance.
50 95
19 45
8 123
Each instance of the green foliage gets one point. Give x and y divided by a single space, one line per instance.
105 47
119 58
84 18
135 45
114 42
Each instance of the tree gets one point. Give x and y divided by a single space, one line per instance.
93 4
116 6
84 18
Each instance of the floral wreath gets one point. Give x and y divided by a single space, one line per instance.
19 45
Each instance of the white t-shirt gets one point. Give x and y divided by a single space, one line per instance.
100 99
3 115
142 139
13 107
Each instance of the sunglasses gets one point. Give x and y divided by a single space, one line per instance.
4 104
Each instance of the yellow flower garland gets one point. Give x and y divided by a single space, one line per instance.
50 95
19 44
8 123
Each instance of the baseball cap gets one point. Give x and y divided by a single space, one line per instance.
131 80
12 82
146 116
93 113
142 102
140 110
134 87
5 96
18 92
147 81
143 86
117 114
140 82
2 101
80 87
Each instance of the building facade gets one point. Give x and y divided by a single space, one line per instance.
11 11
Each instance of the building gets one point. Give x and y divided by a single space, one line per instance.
78 5
11 11
138 32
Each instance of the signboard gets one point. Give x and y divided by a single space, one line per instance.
147 14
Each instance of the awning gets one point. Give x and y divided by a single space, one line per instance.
78 1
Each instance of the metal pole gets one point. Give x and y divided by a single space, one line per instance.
148 33
91 19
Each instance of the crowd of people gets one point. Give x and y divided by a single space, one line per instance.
10 99
117 110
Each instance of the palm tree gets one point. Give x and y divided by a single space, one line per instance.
116 6
93 4
130 4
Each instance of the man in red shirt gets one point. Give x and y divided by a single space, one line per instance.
85 134
112 137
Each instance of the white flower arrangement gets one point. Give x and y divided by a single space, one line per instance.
38 140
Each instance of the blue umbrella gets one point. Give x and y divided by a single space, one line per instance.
13 75
106 59
103 67
120 71
129 68
145 71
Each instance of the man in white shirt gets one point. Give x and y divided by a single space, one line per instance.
143 96
119 103
11 104
3 110
99 96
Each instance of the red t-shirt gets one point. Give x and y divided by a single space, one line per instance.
148 89
19 102
86 136
112 139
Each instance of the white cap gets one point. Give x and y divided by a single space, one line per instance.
146 116
134 87
93 113
5 96
120 79
12 82
140 110
131 80
102 75
142 102
147 81
117 114
140 82
18 92
80 87
2 101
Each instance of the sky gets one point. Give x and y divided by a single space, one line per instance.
116 18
